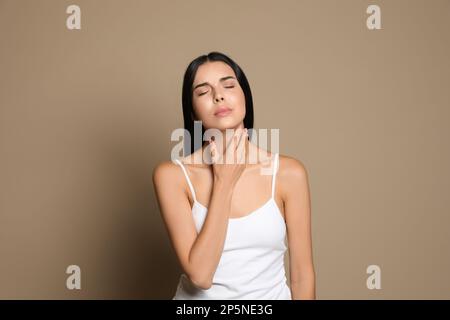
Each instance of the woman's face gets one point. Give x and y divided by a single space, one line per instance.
218 99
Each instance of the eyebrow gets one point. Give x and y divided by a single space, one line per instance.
221 80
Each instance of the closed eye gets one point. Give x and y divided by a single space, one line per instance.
228 87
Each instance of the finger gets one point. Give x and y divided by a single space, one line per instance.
240 149
227 143
237 148
230 152
240 134
214 152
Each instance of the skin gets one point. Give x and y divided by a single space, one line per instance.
231 190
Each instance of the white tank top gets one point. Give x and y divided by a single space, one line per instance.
252 261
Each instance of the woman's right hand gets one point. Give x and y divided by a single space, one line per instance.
229 165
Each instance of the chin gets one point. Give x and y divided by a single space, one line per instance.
227 124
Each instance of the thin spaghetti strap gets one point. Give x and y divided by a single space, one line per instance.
187 178
275 170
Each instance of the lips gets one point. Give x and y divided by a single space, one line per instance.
222 111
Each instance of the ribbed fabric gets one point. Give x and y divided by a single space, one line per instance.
252 261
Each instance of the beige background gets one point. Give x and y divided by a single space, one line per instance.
86 115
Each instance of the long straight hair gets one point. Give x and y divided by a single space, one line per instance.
188 108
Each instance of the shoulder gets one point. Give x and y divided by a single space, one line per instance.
166 171
291 167
292 174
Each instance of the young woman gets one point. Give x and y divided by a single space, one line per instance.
228 222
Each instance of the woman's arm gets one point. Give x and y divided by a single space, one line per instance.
296 197
199 254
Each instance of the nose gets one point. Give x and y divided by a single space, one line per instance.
218 96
